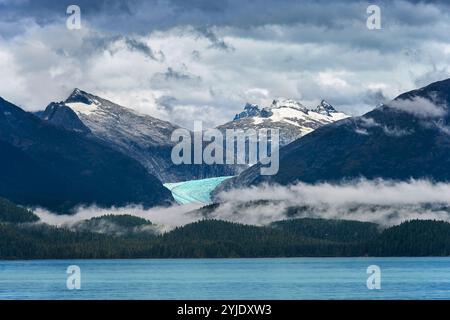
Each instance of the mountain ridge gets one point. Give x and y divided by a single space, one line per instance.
58 169
396 141
290 117
142 137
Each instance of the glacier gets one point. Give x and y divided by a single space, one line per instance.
195 191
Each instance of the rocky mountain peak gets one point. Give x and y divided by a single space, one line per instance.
60 115
288 103
325 108
80 96
253 110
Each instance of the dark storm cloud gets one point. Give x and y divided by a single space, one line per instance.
216 42
166 102
148 15
338 18
96 42
171 74
171 77
140 46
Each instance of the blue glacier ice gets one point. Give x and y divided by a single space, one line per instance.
194 191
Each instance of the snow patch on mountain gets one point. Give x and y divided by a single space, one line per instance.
142 137
291 117
81 108
120 124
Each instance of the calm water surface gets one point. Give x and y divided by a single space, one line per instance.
296 278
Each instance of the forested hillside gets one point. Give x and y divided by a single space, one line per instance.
220 239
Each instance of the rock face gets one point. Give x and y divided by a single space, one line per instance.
61 115
253 110
59 169
142 137
407 138
293 119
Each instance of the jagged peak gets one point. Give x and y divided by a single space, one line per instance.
325 108
249 106
288 103
79 95
61 115
54 104
253 110
54 107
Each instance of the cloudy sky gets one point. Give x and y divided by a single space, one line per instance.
186 60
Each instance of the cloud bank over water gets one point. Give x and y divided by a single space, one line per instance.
379 201
360 191
165 218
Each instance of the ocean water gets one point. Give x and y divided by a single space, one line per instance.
293 278
198 191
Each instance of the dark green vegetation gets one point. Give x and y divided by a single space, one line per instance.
22 236
414 238
124 220
9 212
220 239
388 143
125 225
59 169
331 230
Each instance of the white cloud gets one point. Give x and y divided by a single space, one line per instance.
307 51
332 79
379 201
390 131
419 107
384 202
165 218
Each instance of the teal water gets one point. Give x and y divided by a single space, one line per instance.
197 191
296 278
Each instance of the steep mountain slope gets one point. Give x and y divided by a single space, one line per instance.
60 169
292 118
408 138
61 115
139 136
111 121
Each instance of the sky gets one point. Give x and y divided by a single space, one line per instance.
190 60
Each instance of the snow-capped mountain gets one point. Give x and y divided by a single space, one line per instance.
142 137
111 121
407 138
293 119
60 167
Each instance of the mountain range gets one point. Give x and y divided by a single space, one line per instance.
88 150
147 139
142 137
59 169
406 138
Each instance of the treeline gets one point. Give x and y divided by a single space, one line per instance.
413 238
220 239
10 212
121 225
